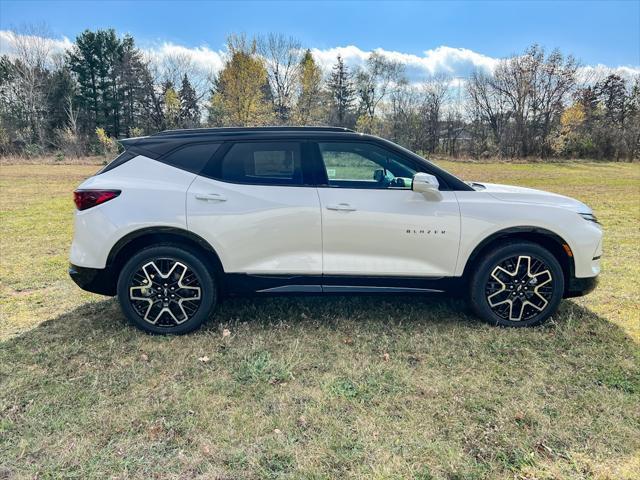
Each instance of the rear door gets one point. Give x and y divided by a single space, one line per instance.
373 224
256 205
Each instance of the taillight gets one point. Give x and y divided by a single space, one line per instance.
90 198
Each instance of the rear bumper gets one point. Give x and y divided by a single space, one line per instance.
580 286
95 280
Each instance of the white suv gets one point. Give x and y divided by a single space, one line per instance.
182 218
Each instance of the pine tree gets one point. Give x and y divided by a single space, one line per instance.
612 92
189 109
109 72
342 94
131 71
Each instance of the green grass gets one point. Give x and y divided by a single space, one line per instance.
363 387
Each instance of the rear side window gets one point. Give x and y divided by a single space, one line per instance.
191 158
266 163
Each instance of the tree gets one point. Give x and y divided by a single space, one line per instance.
171 103
612 93
110 75
282 57
152 101
573 139
189 109
374 81
309 105
434 93
60 88
523 99
130 71
488 111
615 105
633 130
403 120
241 91
24 83
342 94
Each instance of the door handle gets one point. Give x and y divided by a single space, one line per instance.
341 207
211 197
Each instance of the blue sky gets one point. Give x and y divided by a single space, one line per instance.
454 37
596 32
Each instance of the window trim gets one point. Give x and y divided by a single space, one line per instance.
213 169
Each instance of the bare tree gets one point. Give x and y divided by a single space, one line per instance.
523 99
403 118
282 56
174 66
32 56
434 92
67 138
487 107
375 81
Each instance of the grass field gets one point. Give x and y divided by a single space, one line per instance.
317 388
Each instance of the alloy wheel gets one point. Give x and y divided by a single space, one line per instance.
519 288
165 292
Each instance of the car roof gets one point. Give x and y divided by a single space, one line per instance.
235 130
160 143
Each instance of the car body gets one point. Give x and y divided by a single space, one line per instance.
320 210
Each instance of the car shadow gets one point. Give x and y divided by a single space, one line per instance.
408 310
587 363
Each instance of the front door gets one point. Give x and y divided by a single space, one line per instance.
374 224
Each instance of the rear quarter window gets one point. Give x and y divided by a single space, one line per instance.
116 162
191 158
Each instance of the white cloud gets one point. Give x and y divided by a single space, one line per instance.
450 61
203 58
10 42
590 74
454 62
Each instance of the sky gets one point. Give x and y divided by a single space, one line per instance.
429 37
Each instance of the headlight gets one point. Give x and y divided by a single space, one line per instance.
590 217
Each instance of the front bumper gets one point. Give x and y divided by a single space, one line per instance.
580 286
95 280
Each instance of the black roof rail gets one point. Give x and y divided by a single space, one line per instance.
209 131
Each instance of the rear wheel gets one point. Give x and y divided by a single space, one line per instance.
167 290
518 284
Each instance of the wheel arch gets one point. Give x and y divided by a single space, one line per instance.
138 239
551 241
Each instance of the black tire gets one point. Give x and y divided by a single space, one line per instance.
508 290
178 303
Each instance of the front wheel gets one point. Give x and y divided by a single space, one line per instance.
519 284
166 290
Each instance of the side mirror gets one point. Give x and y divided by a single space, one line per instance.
427 185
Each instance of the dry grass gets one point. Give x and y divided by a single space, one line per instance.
52 160
362 387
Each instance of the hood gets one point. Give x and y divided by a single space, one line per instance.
508 193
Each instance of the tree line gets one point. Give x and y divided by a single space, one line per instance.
534 104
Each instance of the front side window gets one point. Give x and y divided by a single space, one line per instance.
364 165
267 163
